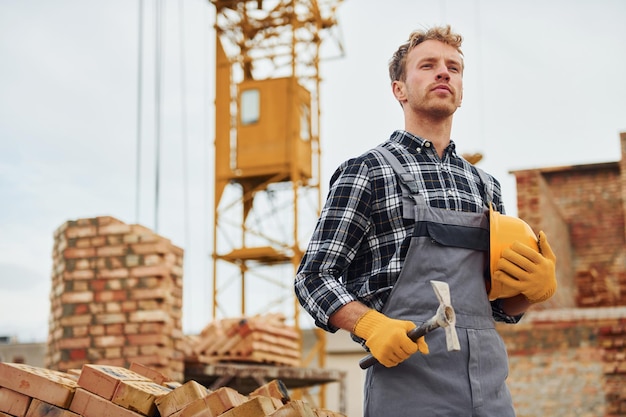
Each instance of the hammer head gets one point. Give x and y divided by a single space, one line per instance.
445 315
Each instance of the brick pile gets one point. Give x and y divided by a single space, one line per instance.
116 297
111 391
256 339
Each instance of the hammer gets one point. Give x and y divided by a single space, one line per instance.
444 317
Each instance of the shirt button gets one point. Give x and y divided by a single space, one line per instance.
427 144
450 192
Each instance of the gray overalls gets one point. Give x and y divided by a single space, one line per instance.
448 246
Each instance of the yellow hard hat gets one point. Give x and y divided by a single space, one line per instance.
503 231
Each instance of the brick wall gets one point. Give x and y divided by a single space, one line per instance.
582 209
540 210
567 356
622 167
568 362
116 297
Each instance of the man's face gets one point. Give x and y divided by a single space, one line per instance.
434 79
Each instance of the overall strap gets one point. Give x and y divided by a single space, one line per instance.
410 191
408 183
486 191
407 180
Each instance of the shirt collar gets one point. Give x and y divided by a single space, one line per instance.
416 143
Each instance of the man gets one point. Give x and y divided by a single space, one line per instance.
379 243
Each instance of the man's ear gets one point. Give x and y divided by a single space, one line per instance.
398 89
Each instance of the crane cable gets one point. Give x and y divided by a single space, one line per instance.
479 72
207 186
184 136
183 125
159 34
139 111
158 74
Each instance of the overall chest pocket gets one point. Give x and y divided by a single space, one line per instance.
453 235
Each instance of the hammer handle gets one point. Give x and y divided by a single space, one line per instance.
413 334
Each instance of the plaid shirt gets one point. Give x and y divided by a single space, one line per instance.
360 241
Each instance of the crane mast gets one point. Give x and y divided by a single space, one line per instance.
267 149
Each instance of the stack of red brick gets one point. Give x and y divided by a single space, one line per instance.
258 339
116 297
109 391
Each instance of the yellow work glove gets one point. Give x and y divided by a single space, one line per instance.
386 338
522 270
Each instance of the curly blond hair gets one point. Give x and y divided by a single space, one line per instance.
438 33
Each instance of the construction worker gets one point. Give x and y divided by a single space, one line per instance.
378 243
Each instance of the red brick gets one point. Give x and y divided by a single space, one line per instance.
139 396
118 250
77 297
129 305
77 354
114 229
79 274
114 329
103 379
50 386
258 406
74 343
88 404
98 284
112 273
118 284
42 409
13 402
180 398
150 248
74 232
275 389
224 399
97 241
111 318
152 374
113 353
80 286
73 253
149 271
149 316
113 307
150 294
151 327
106 296
149 339
109 341
81 309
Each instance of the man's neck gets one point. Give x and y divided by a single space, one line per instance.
436 131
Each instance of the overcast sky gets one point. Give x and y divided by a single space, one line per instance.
544 86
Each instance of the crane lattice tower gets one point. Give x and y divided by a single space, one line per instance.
267 148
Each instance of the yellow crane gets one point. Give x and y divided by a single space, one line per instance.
267 149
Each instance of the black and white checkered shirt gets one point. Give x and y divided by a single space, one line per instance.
361 239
